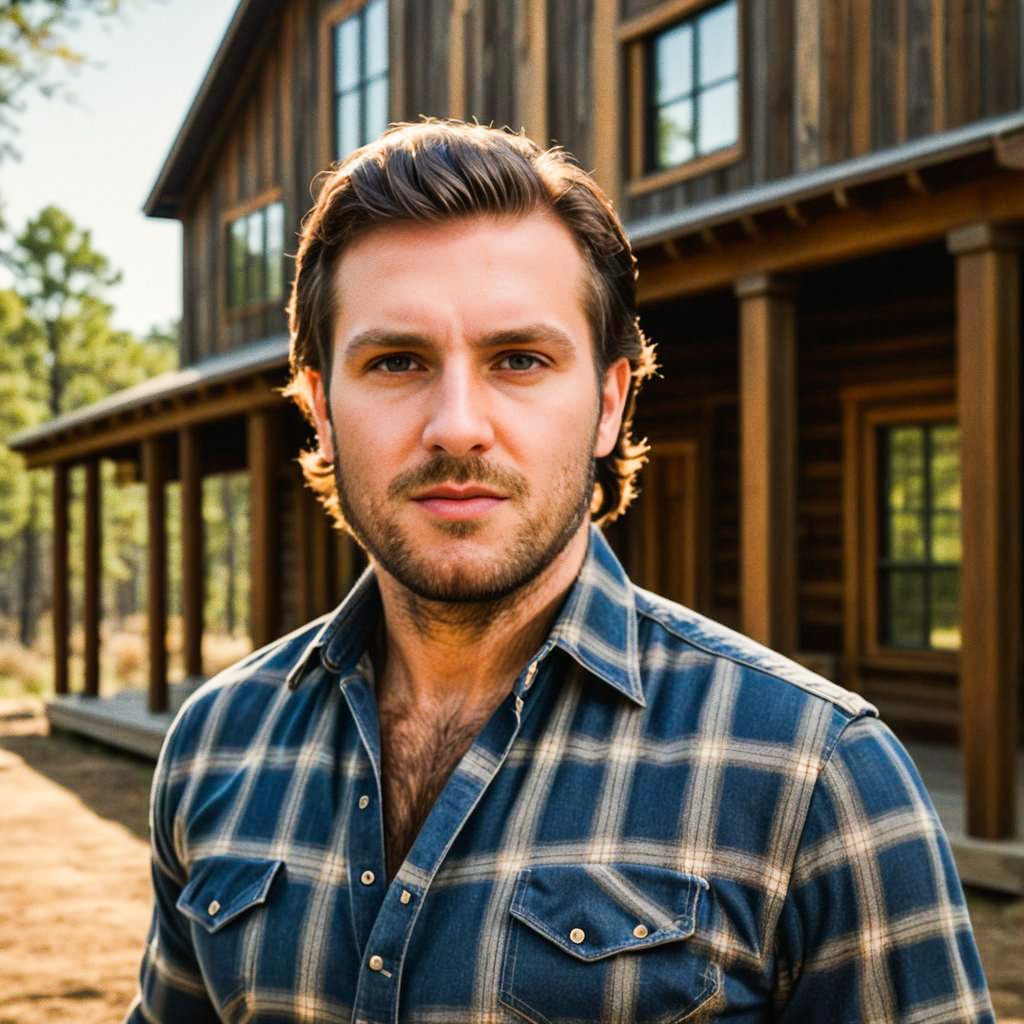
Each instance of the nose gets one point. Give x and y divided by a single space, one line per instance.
459 420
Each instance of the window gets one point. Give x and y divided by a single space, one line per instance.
255 247
692 88
360 74
919 536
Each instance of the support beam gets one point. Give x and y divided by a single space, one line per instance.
93 579
768 393
263 430
988 359
154 473
61 619
190 472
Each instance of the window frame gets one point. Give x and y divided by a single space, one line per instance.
866 410
636 36
927 566
230 217
329 94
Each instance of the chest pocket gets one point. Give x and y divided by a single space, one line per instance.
607 942
218 900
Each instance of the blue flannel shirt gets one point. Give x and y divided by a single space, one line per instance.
662 822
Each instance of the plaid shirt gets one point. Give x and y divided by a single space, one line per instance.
662 822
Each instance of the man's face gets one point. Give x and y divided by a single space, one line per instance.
464 401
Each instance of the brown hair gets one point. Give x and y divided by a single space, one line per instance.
443 170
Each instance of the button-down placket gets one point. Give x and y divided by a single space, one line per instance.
377 996
367 868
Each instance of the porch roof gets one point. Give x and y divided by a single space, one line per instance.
132 405
999 138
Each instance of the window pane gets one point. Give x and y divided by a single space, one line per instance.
719 118
946 466
906 609
348 65
906 467
906 537
945 536
275 248
674 141
673 64
717 43
376 108
237 263
255 247
945 626
348 124
376 38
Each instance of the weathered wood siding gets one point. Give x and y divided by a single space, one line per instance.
570 69
827 80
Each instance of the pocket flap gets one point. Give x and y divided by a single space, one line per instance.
594 910
221 888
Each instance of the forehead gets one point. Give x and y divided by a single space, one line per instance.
483 273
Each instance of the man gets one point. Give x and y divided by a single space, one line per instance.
499 782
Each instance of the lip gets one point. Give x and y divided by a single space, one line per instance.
450 502
452 492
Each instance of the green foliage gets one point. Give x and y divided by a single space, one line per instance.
58 352
35 51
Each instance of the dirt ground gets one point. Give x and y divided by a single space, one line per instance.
74 882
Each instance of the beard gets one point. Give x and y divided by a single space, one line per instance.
474 584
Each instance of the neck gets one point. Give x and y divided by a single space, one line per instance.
470 654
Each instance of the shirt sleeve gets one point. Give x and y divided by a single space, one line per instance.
874 926
171 986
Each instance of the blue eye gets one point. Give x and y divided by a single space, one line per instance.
520 361
396 364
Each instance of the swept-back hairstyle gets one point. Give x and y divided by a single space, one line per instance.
439 171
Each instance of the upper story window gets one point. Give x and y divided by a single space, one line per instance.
693 92
360 66
919 534
256 253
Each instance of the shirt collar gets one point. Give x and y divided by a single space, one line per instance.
596 626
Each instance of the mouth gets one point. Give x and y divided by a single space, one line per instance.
451 501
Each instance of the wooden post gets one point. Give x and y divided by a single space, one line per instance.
190 471
61 621
155 475
988 358
262 440
93 570
768 395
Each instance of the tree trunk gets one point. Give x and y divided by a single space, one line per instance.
28 610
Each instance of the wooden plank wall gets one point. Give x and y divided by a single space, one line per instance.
492 40
827 80
571 111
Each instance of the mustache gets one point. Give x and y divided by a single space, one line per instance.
443 469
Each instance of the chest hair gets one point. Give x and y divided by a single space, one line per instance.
419 750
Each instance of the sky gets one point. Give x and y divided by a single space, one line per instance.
98 155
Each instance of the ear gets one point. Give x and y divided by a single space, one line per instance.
613 402
321 415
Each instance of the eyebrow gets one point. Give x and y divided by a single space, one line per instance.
516 337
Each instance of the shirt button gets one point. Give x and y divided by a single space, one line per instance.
213 908
375 963
405 897
364 802
577 935
367 878
640 931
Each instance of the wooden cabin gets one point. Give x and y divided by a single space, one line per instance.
826 200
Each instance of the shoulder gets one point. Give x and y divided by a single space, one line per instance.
227 708
670 632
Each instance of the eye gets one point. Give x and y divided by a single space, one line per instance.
520 361
395 364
